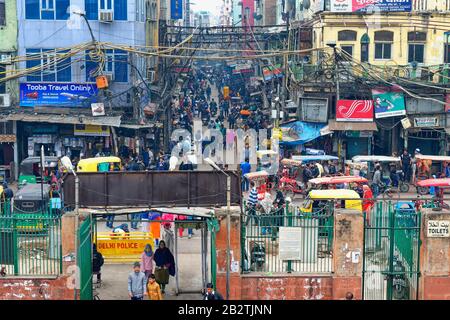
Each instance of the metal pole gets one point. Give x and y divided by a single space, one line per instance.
77 218
228 233
203 252
177 289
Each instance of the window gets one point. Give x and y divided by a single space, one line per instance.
347 35
116 62
2 75
92 8
383 45
47 9
365 40
416 46
51 69
348 49
2 13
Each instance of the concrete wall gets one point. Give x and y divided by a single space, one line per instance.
348 238
435 261
52 288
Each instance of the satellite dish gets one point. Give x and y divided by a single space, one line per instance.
306 4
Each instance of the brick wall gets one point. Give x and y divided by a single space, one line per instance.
35 289
286 288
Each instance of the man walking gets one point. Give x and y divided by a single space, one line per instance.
245 168
137 283
406 164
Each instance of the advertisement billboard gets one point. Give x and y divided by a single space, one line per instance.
388 102
271 71
354 110
74 95
371 5
176 9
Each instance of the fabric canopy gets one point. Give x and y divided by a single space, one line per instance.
298 132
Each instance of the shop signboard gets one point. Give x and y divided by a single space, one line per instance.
176 9
354 110
447 102
389 102
371 5
87 130
426 122
54 94
270 72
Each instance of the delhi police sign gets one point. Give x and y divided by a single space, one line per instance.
438 229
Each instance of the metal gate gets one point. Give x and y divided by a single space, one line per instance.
391 252
85 259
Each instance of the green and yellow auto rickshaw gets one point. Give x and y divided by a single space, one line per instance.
30 170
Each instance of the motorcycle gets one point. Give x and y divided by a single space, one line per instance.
399 282
258 256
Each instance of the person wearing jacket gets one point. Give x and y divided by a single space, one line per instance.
165 265
97 263
211 294
153 289
137 283
147 261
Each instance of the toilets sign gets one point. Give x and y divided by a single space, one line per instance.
438 229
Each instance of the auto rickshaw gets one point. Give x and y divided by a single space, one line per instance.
385 162
99 164
290 168
332 182
318 205
350 200
261 179
424 165
30 169
32 207
442 184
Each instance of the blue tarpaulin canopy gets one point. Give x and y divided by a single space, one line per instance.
299 132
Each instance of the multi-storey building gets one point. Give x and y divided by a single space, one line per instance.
404 49
55 104
226 18
8 89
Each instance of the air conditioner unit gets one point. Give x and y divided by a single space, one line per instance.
151 75
106 16
110 76
5 58
4 100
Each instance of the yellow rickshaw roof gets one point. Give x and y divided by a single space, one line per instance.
261 153
334 194
98 160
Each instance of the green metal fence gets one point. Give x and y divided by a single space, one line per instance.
260 245
30 243
84 256
391 252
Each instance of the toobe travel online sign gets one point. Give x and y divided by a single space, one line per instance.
371 5
74 95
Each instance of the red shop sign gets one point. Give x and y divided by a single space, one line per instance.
354 110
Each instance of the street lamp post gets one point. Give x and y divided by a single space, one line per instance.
215 166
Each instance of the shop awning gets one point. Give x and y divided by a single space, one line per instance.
7 138
137 126
352 126
67 119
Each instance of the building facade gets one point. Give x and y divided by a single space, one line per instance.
403 54
8 89
65 124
